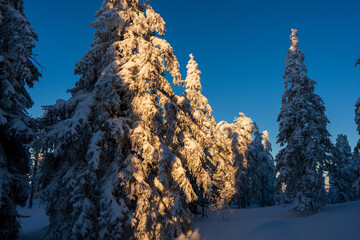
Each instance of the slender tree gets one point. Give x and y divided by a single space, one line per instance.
268 198
261 170
36 160
341 172
356 184
17 69
303 137
211 171
33 177
255 155
187 139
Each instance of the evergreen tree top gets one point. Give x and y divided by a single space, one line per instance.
128 31
343 149
192 80
294 40
295 69
342 141
266 141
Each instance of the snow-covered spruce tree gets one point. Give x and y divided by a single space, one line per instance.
238 137
17 69
303 137
341 172
207 166
269 186
113 171
356 184
200 108
255 155
261 170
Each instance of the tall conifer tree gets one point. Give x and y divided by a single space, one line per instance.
120 164
17 69
303 137
211 169
356 184
268 198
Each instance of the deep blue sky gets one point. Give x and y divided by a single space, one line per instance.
239 45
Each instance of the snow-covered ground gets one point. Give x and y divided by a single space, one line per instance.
33 227
335 222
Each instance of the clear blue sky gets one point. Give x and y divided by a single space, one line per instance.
240 48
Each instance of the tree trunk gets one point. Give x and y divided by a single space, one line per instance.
33 176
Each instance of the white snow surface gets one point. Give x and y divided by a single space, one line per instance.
33 227
337 221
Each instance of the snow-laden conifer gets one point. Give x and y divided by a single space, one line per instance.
210 170
261 173
341 175
188 137
356 172
269 165
238 137
303 137
356 184
113 171
17 70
